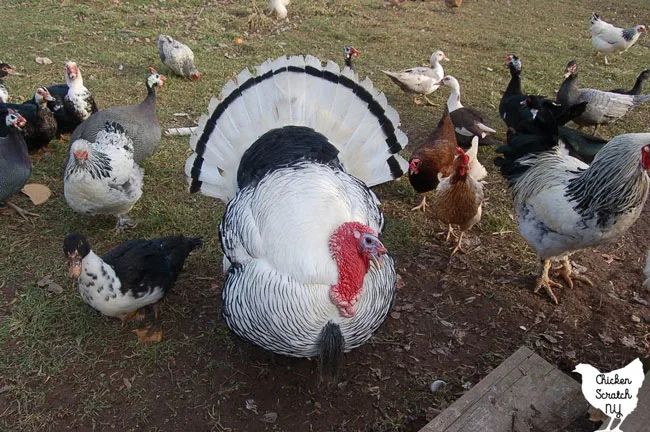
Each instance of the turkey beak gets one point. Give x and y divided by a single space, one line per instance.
74 265
377 257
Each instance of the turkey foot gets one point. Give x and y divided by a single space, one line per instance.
567 274
422 206
545 282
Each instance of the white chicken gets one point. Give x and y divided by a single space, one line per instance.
564 205
615 393
608 39
292 149
279 7
101 177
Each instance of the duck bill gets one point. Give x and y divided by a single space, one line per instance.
445 58
74 267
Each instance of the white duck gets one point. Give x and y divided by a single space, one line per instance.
421 80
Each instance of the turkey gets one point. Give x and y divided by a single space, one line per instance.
293 150
15 165
130 277
139 121
101 176
178 57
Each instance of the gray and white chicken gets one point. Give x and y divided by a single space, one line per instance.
178 57
608 39
102 178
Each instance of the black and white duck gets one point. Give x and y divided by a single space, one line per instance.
132 276
139 121
41 124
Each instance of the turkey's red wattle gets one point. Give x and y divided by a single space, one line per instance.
352 266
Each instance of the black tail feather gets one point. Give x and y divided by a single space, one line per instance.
330 348
179 248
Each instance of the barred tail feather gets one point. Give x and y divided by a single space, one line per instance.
299 91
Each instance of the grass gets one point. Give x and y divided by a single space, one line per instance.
57 342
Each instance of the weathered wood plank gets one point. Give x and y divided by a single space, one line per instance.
639 420
525 393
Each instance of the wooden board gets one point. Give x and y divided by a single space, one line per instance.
524 394
639 420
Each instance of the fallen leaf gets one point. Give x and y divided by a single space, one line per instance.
636 319
127 383
395 315
549 338
399 284
50 285
251 405
38 193
145 335
269 417
638 299
43 60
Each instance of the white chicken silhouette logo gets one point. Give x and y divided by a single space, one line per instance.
614 393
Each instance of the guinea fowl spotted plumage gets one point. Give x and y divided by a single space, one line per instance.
101 177
178 57
134 275
41 125
609 39
638 84
15 165
5 70
602 107
468 122
421 80
73 102
349 52
300 231
139 121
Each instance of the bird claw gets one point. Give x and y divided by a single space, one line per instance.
21 212
547 284
423 206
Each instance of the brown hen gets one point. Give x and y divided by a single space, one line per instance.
459 198
435 156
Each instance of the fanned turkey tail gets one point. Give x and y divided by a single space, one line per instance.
342 121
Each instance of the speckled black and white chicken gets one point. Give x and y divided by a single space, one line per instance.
293 150
178 57
134 275
15 165
101 177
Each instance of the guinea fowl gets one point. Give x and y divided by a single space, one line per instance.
5 70
459 198
101 176
130 277
564 205
178 57
139 121
41 124
349 52
609 39
638 84
302 256
15 165
602 107
421 80
468 122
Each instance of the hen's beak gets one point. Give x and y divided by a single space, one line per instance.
445 58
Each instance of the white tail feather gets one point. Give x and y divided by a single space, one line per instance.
476 170
184 131
337 106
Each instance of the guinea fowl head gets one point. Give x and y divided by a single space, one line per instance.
155 79
75 249
14 119
355 247
43 96
351 51
571 69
